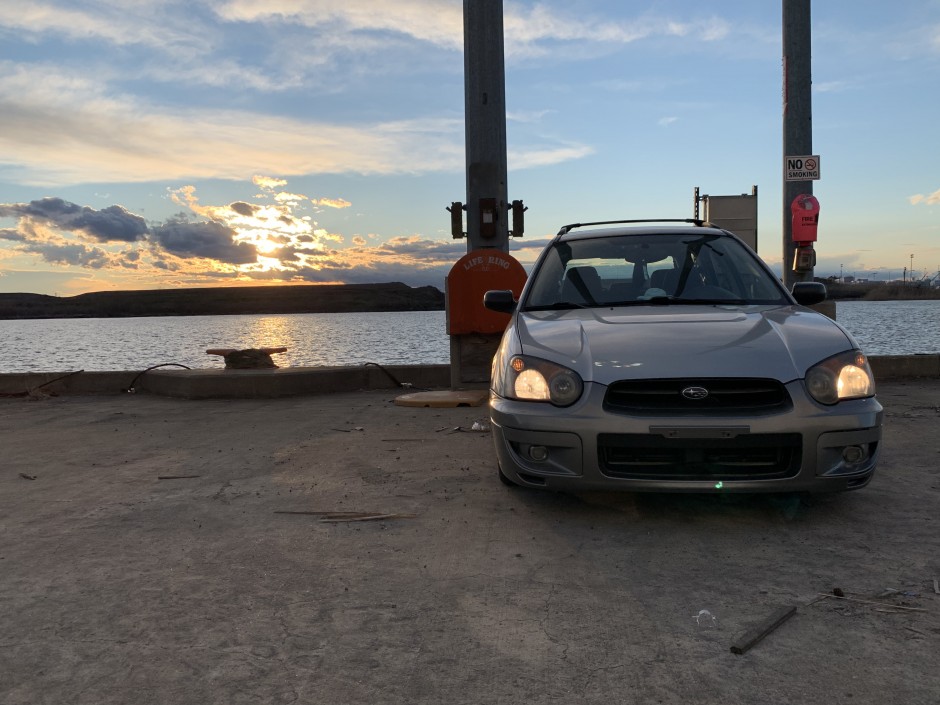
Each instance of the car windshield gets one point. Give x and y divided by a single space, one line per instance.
651 269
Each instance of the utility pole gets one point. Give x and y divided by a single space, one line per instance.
475 331
485 116
797 118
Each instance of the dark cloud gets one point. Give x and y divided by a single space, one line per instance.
111 224
537 245
51 209
243 208
205 239
78 254
451 250
328 272
12 235
285 254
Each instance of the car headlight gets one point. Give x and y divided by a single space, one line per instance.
845 376
532 379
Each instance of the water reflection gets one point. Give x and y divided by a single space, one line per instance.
892 327
330 339
315 339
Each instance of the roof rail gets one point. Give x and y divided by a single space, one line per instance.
572 226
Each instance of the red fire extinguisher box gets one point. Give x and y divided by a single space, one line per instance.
805 218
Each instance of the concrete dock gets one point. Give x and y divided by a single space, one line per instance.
217 383
338 548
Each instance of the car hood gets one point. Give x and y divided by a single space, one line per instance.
655 342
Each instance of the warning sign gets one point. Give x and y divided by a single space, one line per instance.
801 168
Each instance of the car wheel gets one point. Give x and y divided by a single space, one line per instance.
505 480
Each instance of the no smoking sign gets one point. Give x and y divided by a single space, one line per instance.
801 168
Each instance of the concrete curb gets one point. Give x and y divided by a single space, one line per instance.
904 366
230 384
297 381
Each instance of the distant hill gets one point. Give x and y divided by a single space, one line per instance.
216 301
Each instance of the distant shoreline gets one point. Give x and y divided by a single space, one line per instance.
312 298
880 291
216 301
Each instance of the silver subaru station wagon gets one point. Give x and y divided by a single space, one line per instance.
671 358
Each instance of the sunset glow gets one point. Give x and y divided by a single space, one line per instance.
151 145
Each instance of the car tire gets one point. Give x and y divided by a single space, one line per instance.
505 480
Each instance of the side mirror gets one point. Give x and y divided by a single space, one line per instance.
499 300
809 293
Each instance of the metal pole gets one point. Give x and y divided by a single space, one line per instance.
797 117
485 117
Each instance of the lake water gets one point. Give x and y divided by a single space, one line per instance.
328 339
311 339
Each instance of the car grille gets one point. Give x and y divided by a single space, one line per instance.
661 397
746 457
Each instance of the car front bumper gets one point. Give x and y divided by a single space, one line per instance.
807 448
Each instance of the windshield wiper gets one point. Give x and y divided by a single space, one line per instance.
557 306
628 302
714 302
675 301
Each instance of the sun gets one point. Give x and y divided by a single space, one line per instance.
265 246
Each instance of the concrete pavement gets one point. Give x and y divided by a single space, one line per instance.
208 586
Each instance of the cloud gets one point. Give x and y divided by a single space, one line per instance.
70 254
291 198
830 86
204 239
928 200
415 246
61 129
267 182
904 43
331 202
220 72
529 158
242 208
666 121
111 224
535 29
241 241
528 116
432 21
11 235
119 23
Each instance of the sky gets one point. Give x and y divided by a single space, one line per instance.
152 144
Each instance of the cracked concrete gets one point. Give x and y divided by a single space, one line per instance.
119 587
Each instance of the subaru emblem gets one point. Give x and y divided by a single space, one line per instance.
695 393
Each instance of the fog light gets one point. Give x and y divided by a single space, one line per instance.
853 454
538 453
